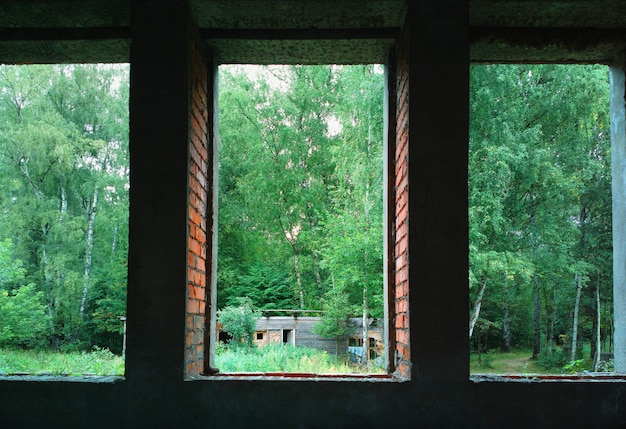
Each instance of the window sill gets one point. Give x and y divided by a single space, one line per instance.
95 379
298 376
603 377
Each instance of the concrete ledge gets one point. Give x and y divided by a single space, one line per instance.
603 377
297 376
98 379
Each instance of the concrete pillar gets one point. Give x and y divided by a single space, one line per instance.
438 228
159 136
618 167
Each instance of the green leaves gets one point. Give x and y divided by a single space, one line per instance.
64 140
11 270
300 185
23 316
539 187
239 321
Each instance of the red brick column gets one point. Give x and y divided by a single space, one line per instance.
401 295
198 185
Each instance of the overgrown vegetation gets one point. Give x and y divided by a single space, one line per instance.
519 361
301 183
540 213
301 203
42 362
63 210
239 322
285 358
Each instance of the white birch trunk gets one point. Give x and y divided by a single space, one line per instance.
365 355
579 287
477 303
114 242
63 204
596 358
296 265
89 251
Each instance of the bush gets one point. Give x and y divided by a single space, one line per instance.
574 366
23 317
240 322
552 360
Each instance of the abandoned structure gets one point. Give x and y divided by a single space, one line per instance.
174 47
299 331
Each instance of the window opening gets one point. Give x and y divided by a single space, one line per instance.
287 336
64 182
301 210
540 220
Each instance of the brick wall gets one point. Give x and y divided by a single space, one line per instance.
199 195
402 344
197 206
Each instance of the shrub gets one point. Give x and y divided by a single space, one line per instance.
552 360
574 366
23 316
240 322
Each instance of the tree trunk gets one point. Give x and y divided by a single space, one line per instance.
477 303
91 220
536 319
365 355
316 269
552 321
296 266
506 325
63 204
596 358
114 242
315 253
536 296
579 288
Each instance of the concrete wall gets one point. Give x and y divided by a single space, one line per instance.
439 394
302 335
301 332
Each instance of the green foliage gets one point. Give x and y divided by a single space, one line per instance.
552 360
64 196
267 286
11 269
284 358
23 317
336 313
539 200
39 362
517 361
240 322
301 185
574 367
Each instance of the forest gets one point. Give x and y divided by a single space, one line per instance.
540 212
64 182
300 192
300 203
300 197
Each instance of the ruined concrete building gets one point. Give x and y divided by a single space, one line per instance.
174 47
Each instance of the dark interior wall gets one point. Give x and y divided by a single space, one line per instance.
439 394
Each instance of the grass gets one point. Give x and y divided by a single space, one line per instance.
39 362
514 362
520 362
286 358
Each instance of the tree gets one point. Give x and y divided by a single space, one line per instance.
22 310
539 195
239 322
63 192
333 323
301 186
